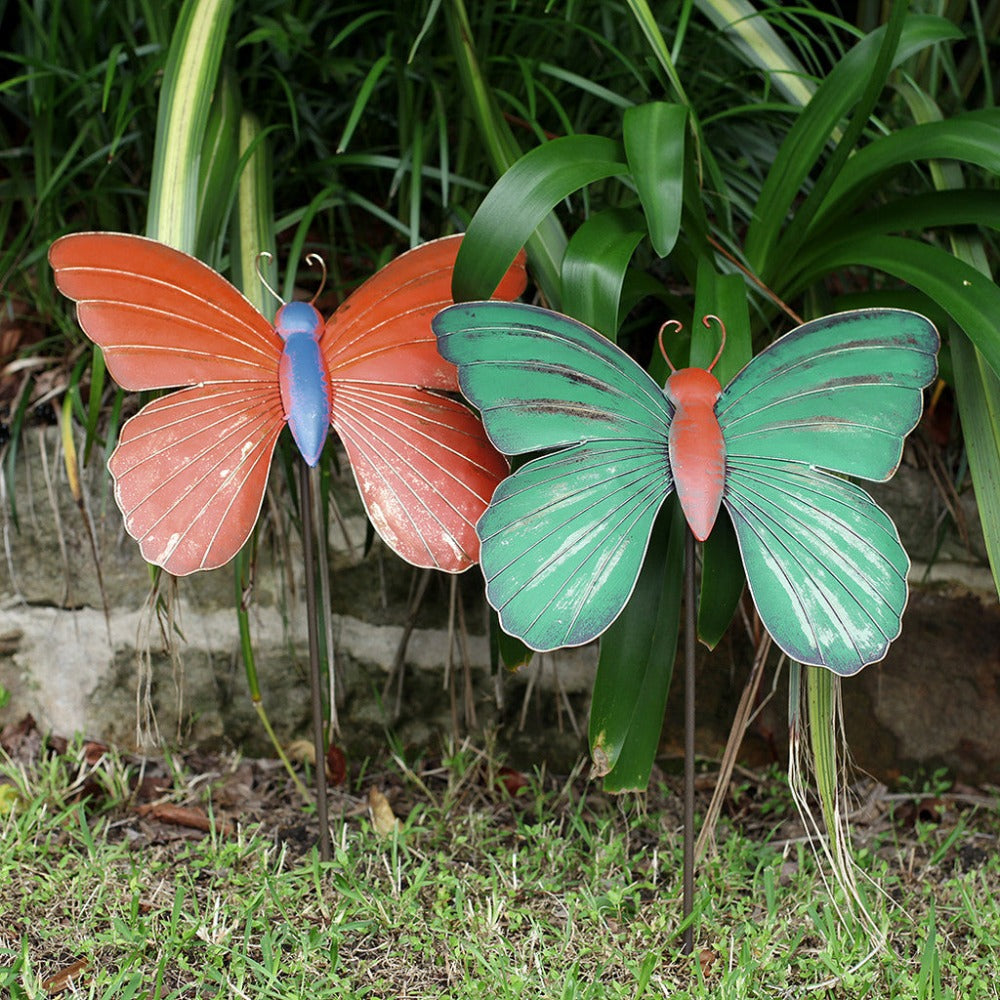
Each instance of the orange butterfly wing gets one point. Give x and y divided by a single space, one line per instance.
190 469
422 462
162 317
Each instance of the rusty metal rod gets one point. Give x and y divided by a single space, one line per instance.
689 716
315 680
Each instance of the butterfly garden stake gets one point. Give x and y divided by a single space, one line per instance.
564 537
191 467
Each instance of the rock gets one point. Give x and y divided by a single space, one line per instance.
933 701
78 670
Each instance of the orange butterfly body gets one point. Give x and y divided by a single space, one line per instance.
191 467
696 446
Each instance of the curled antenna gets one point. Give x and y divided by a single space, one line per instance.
722 328
676 325
268 256
315 260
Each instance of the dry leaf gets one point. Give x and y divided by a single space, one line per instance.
304 752
193 819
10 641
93 751
706 959
512 780
8 798
64 978
383 818
336 765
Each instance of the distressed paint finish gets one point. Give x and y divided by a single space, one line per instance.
564 537
191 468
697 448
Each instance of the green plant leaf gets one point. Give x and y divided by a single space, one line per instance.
217 167
653 135
188 84
253 224
521 200
725 296
722 581
760 45
822 695
639 285
97 373
973 137
594 267
806 139
790 241
636 662
977 388
913 214
506 649
978 392
654 37
546 240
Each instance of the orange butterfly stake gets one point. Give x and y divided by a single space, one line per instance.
191 467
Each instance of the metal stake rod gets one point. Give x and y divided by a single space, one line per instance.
305 498
689 638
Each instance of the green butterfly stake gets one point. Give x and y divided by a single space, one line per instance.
564 536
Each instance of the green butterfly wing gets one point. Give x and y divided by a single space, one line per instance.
542 380
565 535
839 393
824 562
564 538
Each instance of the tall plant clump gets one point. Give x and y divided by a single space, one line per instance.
823 191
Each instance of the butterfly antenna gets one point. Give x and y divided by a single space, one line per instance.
268 256
722 328
677 326
315 260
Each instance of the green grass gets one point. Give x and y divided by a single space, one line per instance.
563 892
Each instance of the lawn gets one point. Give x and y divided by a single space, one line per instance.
109 889
658 166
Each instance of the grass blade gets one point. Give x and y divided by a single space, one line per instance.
361 101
